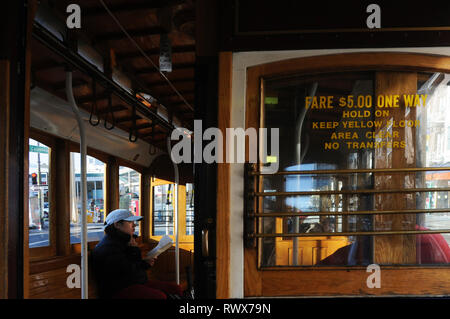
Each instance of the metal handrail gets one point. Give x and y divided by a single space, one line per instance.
354 171
356 233
346 213
347 192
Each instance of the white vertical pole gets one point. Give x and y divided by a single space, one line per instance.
83 186
175 209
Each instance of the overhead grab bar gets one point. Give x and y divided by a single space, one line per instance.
175 209
83 186
94 105
110 111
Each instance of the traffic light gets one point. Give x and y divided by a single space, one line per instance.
168 202
34 179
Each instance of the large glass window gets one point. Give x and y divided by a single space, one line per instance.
360 140
189 209
39 203
162 217
129 191
95 205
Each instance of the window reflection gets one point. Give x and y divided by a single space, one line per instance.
38 201
305 146
129 192
163 210
95 205
189 209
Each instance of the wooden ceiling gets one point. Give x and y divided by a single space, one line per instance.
145 21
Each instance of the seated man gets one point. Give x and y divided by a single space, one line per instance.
119 270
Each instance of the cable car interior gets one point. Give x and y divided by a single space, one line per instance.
129 103
354 119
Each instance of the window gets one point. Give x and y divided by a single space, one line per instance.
129 191
189 209
351 199
162 217
362 128
39 199
95 205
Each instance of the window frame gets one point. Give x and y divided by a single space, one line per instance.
103 157
139 170
322 281
38 253
183 238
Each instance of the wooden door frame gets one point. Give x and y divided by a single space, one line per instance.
336 281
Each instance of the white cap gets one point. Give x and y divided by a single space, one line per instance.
121 214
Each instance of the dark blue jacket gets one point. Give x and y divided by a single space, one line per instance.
116 265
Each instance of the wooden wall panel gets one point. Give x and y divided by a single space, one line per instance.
395 249
31 12
62 194
252 278
164 268
223 180
145 205
48 279
112 185
342 282
4 150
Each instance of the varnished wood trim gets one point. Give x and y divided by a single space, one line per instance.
112 185
223 180
183 239
101 156
4 151
138 168
53 263
49 141
62 194
252 278
31 12
399 281
75 147
145 202
353 62
395 281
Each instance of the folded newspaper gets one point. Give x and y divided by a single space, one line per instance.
164 244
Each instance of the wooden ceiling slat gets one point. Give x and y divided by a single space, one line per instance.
116 108
75 84
124 119
129 7
155 51
48 64
172 94
174 67
90 98
110 36
174 81
143 126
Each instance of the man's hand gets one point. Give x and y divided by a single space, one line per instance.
151 261
132 242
